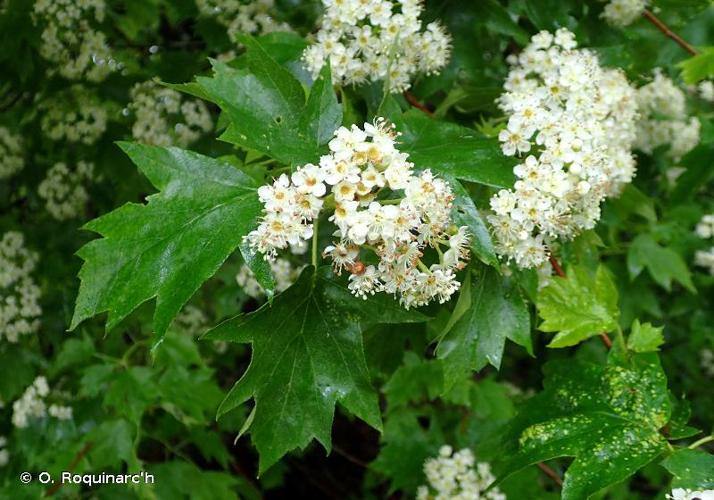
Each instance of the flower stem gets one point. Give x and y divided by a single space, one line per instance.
315 227
423 267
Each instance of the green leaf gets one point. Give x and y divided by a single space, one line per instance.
168 247
466 214
578 307
478 338
112 444
692 469
699 67
416 380
606 417
267 109
644 337
406 444
663 264
307 355
177 479
453 150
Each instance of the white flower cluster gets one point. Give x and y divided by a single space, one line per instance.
32 404
705 90
705 230
191 320
453 477
284 275
71 41
576 122
623 12
4 455
11 160
63 189
76 116
706 361
379 205
686 494
663 118
164 118
377 40
239 17
19 295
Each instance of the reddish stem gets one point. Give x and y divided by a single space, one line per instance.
550 473
411 99
77 458
669 33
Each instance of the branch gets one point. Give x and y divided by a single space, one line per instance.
550 473
668 32
411 99
77 458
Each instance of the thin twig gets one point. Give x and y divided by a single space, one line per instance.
411 99
704 440
349 456
77 458
668 32
550 473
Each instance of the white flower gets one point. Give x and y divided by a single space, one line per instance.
31 405
74 115
19 295
706 90
63 189
71 41
284 274
380 207
458 476
623 12
375 40
705 230
243 17
4 455
11 159
576 121
687 494
663 118
163 117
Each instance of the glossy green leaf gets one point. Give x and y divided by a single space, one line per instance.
578 306
645 337
607 417
167 248
307 355
692 469
466 214
453 150
267 109
497 312
663 264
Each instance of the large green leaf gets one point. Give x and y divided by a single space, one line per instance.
692 469
307 355
607 417
450 149
267 109
578 306
168 247
664 264
496 312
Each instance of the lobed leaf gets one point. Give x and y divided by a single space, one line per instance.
168 247
307 356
